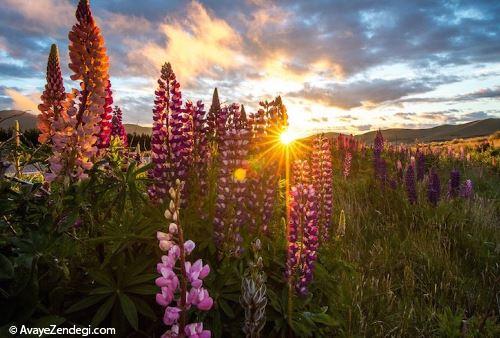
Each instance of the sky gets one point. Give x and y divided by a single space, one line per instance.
349 66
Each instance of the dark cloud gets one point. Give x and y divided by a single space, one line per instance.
347 96
363 127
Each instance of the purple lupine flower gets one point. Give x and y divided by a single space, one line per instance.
467 189
378 144
347 164
160 152
454 184
410 185
230 213
191 275
117 128
420 165
180 125
434 188
302 237
322 180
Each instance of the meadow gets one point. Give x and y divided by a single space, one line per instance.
230 226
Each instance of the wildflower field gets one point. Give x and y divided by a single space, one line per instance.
229 226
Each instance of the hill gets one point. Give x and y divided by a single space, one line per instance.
440 133
446 132
28 121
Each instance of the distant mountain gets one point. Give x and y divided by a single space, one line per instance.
8 118
28 121
440 133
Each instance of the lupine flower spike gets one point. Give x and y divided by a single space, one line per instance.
467 189
302 237
52 98
76 132
434 189
253 297
410 185
174 295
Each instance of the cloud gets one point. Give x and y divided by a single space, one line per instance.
361 93
21 101
363 127
43 15
195 46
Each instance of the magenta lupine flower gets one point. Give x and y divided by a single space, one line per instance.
467 189
160 152
410 185
347 164
322 180
380 169
196 330
105 123
454 184
174 295
434 188
420 165
180 125
302 237
117 128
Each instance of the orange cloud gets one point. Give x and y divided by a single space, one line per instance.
23 102
194 45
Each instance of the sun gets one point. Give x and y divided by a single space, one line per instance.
287 137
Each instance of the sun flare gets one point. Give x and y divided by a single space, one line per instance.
288 137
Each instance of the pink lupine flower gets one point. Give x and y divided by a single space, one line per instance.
189 246
172 284
322 180
200 298
195 330
171 315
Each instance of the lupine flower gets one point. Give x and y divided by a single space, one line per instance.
302 237
322 181
434 188
117 128
180 125
201 152
160 152
467 189
174 286
253 295
230 214
410 185
454 184
52 98
74 140
420 166
106 116
212 116
301 172
347 164
378 144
